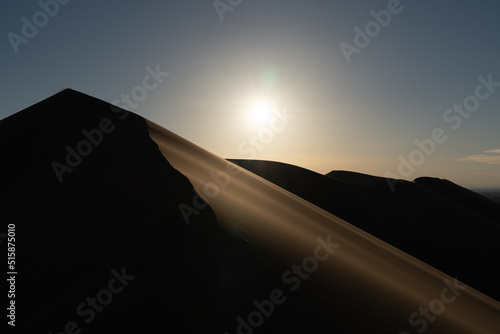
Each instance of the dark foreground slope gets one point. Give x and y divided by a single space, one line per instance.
115 214
438 222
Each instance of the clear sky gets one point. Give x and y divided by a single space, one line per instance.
355 83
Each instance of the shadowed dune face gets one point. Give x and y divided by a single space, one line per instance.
466 198
119 208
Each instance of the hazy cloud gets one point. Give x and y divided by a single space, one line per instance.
488 157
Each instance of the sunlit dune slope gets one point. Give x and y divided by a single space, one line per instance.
448 230
385 284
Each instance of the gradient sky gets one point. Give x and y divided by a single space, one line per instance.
363 115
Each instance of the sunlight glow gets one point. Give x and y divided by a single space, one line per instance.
259 111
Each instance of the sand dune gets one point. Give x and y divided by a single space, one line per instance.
281 224
450 227
463 197
125 212
356 178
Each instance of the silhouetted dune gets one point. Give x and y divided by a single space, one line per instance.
464 197
357 178
117 209
123 226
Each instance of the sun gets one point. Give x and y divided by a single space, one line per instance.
259 111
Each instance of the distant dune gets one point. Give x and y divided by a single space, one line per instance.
357 178
464 197
491 193
123 226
